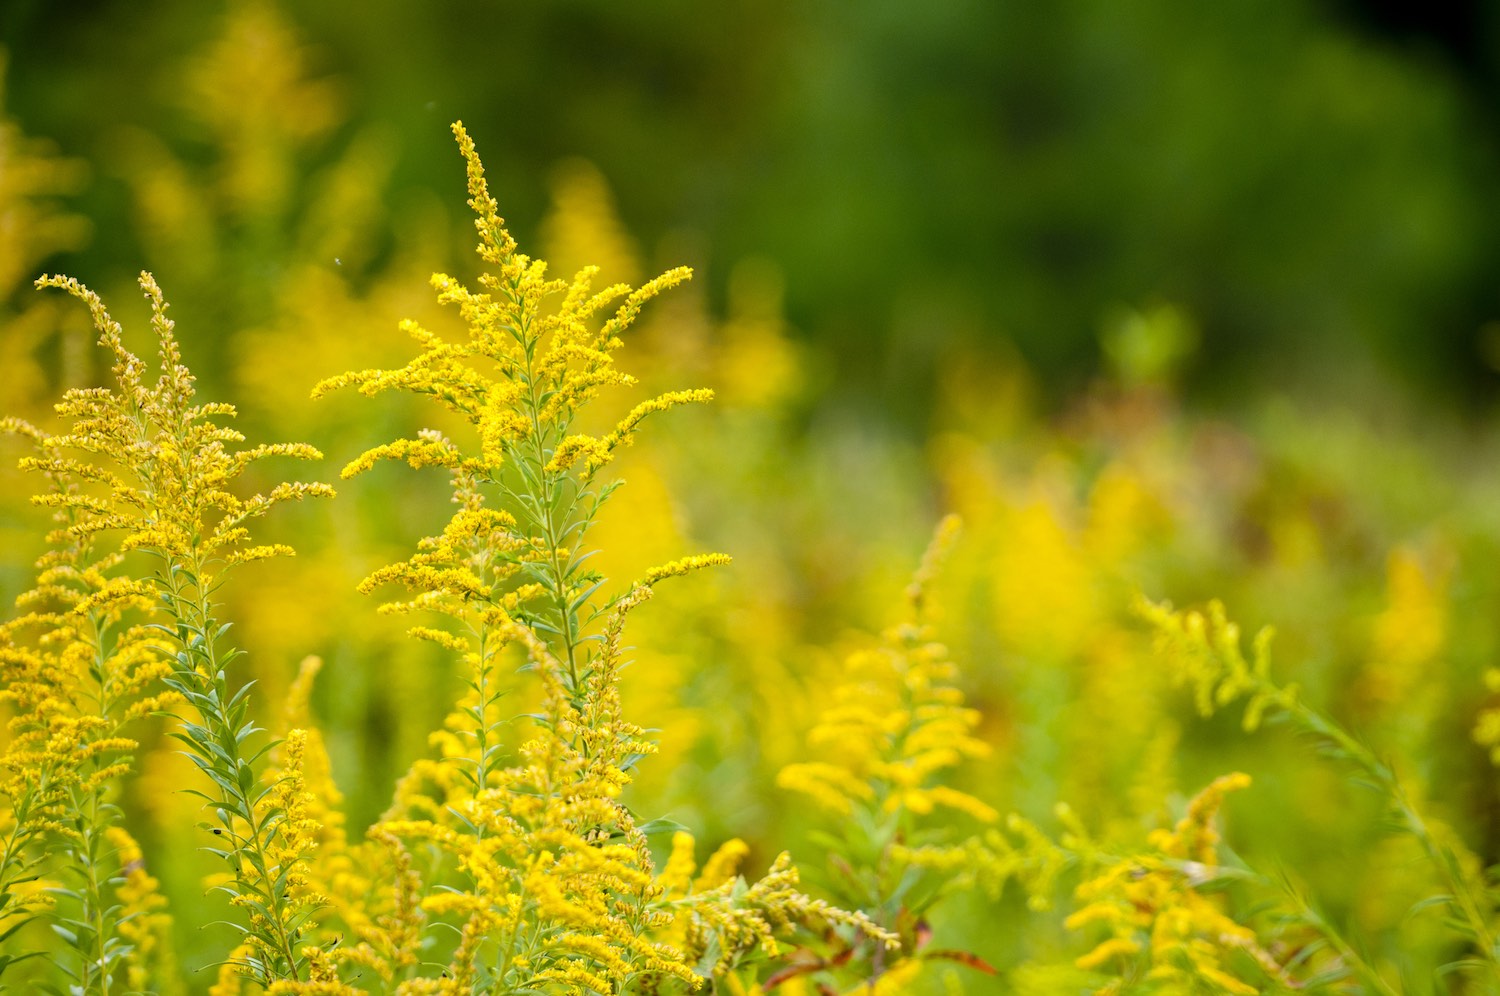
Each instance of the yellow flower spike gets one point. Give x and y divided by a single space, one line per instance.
143 922
1156 919
553 887
677 875
1194 837
593 451
722 865
168 469
680 567
625 431
1116 947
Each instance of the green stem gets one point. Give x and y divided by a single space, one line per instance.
482 766
13 864
198 626
88 804
1460 889
93 900
550 530
550 534
13 845
1346 952
95 896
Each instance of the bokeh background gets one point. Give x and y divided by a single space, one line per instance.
1190 299
1311 182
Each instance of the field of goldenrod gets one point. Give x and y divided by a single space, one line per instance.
518 630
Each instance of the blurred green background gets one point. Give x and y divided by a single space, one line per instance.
1313 184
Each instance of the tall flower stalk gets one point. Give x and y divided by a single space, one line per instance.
544 873
894 728
158 467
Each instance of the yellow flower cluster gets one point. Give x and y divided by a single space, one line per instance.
1157 915
551 363
144 922
894 723
288 806
174 464
72 683
531 854
157 467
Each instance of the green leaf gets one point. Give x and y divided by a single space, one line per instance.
583 596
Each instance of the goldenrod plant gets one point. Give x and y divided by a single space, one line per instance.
544 874
557 788
1204 651
892 728
147 467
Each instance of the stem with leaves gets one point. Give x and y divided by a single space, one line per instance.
1204 650
219 745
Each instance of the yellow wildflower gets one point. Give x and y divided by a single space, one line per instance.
894 725
556 887
1158 919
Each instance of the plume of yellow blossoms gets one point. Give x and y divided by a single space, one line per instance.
542 871
1158 920
896 724
164 466
147 460
144 923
